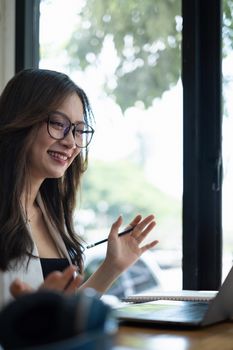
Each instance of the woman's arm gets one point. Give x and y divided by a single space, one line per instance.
122 252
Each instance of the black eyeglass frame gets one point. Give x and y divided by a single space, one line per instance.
72 127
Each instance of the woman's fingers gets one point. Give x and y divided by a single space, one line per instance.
134 222
148 246
115 226
141 236
74 284
143 228
137 224
19 287
67 281
59 280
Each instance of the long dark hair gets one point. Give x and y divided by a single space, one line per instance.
24 103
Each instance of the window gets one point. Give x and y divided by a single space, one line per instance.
128 60
202 118
227 202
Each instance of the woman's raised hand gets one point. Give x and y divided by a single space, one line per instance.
122 252
125 250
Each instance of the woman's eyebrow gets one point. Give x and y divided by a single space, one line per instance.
67 116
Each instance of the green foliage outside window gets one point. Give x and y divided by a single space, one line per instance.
147 37
122 188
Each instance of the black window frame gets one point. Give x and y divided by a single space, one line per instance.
27 18
202 113
202 153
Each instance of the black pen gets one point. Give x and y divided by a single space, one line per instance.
106 239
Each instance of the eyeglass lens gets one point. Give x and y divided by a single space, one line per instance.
59 126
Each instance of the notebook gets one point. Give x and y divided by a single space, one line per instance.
184 313
182 295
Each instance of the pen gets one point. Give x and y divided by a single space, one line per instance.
106 239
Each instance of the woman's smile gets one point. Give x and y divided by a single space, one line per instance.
60 157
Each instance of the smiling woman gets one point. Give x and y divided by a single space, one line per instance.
39 177
50 156
45 128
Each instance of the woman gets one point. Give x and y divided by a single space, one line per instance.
45 129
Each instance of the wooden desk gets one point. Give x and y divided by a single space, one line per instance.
217 337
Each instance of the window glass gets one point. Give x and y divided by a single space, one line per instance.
126 55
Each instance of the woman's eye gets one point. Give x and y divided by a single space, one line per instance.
80 132
57 124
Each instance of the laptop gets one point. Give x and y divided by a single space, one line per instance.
183 313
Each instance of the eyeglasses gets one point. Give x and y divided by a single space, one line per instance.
59 126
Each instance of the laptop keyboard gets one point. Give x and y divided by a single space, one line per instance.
175 311
188 312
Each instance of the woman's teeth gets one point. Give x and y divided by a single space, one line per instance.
58 155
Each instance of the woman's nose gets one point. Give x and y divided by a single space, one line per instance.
69 140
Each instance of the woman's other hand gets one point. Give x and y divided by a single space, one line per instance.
67 281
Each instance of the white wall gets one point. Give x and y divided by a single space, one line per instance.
7 41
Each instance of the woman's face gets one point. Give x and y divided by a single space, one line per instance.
49 158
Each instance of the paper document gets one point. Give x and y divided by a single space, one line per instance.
181 295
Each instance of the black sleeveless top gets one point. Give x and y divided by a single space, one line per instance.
49 265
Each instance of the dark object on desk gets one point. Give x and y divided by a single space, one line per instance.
40 319
184 313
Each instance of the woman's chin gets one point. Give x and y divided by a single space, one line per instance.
55 175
